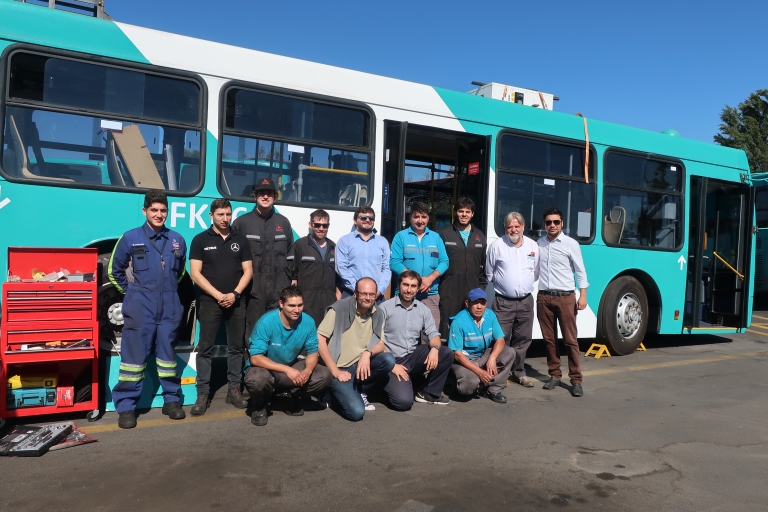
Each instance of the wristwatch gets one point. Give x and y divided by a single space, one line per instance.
434 346
237 295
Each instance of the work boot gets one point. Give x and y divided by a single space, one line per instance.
495 397
524 381
292 407
126 419
577 390
236 398
201 405
174 411
259 417
552 383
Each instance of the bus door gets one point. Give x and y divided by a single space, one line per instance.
720 245
433 166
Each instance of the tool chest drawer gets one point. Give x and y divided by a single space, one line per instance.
52 303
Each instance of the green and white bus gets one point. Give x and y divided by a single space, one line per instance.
94 112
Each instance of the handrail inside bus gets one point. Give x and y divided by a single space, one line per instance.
303 167
741 276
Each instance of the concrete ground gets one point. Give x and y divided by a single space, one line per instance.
681 426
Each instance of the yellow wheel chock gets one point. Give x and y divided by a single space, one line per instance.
598 351
641 348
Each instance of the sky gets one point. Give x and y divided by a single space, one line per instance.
653 65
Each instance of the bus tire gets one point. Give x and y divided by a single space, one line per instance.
623 317
110 302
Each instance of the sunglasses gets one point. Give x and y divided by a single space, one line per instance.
366 217
319 225
550 222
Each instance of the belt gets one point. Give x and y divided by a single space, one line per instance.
514 298
558 293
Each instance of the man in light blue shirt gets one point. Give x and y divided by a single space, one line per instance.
482 361
423 251
363 253
559 259
276 341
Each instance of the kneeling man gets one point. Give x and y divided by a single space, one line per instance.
482 360
276 341
405 319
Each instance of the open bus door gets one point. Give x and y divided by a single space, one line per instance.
719 250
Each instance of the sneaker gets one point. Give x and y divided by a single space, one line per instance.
126 419
201 405
174 411
428 398
325 400
524 381
368 405
259 417
236 398
496 397
552 383
576 390
292 407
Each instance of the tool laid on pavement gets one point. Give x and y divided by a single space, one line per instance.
30 441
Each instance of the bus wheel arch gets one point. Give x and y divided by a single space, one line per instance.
629 308
110 300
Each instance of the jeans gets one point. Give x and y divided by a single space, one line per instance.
347 394
211 315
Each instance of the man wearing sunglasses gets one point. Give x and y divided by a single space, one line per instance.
560 258
363 253
314 267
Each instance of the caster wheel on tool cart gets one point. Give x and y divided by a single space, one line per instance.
92 416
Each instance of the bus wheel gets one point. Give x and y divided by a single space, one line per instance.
110 303
623 316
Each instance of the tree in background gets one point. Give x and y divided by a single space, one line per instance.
746 127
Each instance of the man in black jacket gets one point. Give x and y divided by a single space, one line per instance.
465 245
270 237
314 267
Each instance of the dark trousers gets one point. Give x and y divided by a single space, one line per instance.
467 381
347 394
551 309
211 315
400 392
516 320
261 383
255 307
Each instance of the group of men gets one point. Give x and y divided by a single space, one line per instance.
307 317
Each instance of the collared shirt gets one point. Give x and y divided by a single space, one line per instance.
403 326
423 256
472 339
559 260
357 258
282 345
512 270
222 257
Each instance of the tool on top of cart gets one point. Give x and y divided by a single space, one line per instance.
54 345
63 275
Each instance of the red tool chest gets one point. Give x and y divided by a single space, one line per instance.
57 314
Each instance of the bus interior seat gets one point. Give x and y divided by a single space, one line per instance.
21 156
189 178
9 161
289 191
130 142
113 165
348 196
224 182
363 196
613 225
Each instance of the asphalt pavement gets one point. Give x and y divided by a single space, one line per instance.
681 426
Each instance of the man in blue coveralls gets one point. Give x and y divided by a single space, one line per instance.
151 308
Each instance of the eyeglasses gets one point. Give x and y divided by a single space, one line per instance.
550 222
366 295
318 225
366 217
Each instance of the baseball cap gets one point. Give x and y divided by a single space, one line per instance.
476 294
265 184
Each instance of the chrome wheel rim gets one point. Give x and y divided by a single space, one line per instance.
629 315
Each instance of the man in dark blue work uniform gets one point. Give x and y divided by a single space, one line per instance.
151 308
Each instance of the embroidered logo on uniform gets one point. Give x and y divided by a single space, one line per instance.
176 245
279 228
532 254
212 248
235 247
265 181
477 237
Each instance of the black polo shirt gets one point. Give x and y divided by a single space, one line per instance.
222 258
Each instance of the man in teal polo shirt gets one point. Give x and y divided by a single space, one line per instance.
419 249
276 341
482 361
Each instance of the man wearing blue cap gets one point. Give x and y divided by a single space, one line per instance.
482 360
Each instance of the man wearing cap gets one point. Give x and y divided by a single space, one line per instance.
482 361
270 238
512 265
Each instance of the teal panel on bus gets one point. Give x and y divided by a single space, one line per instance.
34 24
467 107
